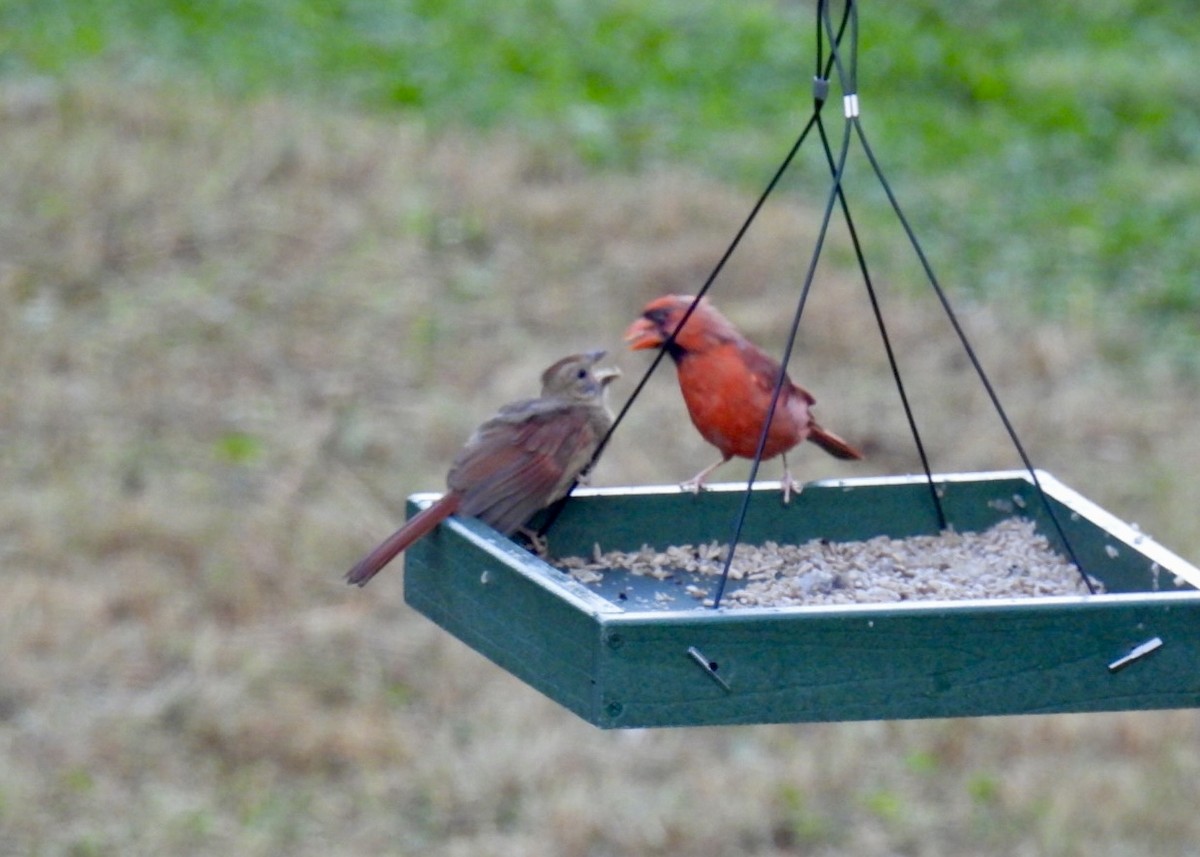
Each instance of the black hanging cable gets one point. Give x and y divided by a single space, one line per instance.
847 78
553 513
973 357
953 318
555 510
849 87
886 339
665 348
743 511
821 88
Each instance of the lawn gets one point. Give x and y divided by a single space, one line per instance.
1047 154
253 300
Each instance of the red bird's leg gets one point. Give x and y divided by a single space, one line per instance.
790 483
696 483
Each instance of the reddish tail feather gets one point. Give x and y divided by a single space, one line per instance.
831 443
395 544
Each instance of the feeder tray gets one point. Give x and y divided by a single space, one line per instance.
618 659
620 666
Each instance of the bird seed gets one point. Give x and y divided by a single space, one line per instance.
1008 560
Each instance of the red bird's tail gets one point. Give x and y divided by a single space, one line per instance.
831 443
391 547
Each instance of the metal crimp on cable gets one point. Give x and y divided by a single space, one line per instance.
820 88
850 102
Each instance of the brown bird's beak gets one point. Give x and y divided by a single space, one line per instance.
643 334
606 375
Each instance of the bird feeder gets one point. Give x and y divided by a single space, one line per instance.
620 665
634 653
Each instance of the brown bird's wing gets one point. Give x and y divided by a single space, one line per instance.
522 460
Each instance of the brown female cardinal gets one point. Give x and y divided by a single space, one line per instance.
521 460
727 383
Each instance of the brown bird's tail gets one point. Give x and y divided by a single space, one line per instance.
831 443
391 547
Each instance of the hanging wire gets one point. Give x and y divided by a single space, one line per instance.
838 171
821 89
973 357
848 80
556 509
886 339
847 71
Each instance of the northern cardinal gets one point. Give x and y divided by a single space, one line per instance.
727 382
519 461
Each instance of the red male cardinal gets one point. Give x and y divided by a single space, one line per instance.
727 382
521 460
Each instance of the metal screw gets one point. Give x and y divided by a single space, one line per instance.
1136 654
709 667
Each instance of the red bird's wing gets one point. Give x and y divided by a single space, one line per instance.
765 371
520 461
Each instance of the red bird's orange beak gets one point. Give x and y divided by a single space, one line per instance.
643 334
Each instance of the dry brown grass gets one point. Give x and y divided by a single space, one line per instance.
234 338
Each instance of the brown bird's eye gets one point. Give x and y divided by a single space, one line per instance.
581 374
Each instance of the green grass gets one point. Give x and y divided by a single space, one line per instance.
237 334
1045 154
258 286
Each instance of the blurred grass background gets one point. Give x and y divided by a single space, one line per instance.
265 264
999 120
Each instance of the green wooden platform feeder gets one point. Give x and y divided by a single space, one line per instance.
633 653
618 665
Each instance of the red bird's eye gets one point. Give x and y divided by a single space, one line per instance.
657 316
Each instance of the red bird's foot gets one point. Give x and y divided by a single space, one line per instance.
693 486
696 484
790 483
791 487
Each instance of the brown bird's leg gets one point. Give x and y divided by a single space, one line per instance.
790 483
696 483
540 545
